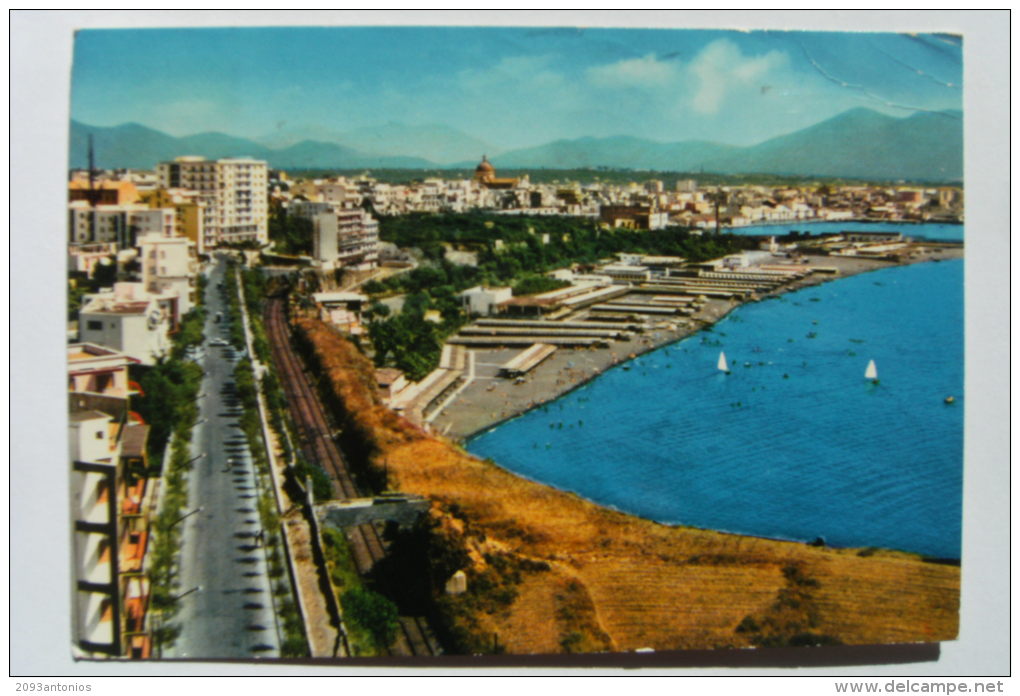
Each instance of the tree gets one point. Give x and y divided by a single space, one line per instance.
377 309
290 234
373 612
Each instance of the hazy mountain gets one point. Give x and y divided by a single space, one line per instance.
137 147
311 154
285 137
128 145
437 143
859 143
216 145
617 151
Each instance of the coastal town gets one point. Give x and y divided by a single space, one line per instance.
185 283
509 343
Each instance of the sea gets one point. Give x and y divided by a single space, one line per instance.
932 231
794 443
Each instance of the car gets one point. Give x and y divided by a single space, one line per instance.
219 342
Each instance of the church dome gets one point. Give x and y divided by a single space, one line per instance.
485 166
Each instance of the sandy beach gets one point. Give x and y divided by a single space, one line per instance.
488 399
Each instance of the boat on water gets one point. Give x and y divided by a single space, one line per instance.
871 372
723 367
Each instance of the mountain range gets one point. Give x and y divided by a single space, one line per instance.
437 143
859 143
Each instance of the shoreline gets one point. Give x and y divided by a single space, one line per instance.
856 220
477 410
621 575
853 267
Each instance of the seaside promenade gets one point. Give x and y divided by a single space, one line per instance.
489 399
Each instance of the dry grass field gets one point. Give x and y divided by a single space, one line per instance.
550 572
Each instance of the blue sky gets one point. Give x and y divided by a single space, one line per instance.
512 87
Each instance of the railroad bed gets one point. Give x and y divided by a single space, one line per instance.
317 444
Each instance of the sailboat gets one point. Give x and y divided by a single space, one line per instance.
871 372
723 367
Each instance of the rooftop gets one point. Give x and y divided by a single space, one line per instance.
326 297
385 376
137 307
90 351
79 416
135 437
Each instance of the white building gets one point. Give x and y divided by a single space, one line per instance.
345 238
342 309
118 224
483 301
234 192
168 268
131 320
84 258
109 499
94 369
632 273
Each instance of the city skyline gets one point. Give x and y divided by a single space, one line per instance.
514 87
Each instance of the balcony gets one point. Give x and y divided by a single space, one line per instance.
132 551
92 559
135 609
131 498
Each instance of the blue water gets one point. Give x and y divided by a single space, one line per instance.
935 231
794 443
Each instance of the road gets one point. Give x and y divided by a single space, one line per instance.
230 614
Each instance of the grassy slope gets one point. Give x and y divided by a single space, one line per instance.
588 578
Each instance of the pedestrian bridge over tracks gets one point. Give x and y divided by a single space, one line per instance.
400 508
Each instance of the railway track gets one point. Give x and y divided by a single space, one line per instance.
317 443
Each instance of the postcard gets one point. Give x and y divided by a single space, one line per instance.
393 342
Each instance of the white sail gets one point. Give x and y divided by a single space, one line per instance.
722 362
872 371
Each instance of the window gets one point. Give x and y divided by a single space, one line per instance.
100 434
93 325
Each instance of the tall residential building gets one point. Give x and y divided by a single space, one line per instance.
234 192
342 237
190 210
110 507
167 268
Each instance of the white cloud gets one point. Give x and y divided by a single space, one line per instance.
721 69
634 72
701 84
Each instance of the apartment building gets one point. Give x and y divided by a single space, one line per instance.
99 232
342 236
122 224
167 267
234 192
189 209
110 507
131 320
